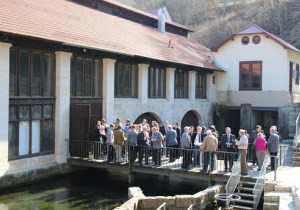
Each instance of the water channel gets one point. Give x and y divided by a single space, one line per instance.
92 189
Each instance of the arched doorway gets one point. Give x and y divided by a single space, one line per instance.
190 119
149 117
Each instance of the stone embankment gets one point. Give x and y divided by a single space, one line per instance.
201 200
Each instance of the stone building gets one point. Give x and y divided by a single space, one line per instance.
66 64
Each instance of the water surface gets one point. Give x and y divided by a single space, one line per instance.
92 189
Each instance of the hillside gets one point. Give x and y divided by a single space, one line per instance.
214 20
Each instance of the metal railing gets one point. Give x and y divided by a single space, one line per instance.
260 182
162 206
147 156
190 207
233 179
297 134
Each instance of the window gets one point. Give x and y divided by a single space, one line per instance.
126 80
297 74
31 130
256 39
35 73
181 84
157 82
251 75
31 106
245 40
86 77
200 86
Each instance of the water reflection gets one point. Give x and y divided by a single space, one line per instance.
92 189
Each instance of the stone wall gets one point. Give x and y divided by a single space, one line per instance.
132 109
25 177
287 120
200 200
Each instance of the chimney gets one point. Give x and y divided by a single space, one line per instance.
161 20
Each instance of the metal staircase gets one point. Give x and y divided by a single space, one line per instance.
245 190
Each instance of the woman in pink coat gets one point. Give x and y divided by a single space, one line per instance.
260 144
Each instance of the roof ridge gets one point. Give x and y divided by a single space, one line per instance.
125 6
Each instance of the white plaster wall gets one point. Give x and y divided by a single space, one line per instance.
295 58
275 70
108 89
62 105
4 105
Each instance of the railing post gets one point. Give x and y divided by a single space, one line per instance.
68 149
280 156
129 165
275 171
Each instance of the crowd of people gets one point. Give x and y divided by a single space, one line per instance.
146 141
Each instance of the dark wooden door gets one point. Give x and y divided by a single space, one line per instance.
189 119
80 122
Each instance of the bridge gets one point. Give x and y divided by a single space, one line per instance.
95 155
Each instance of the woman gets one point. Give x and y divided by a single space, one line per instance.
156 139
243 146
260 146
185 145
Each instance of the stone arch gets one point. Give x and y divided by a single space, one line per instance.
191 118
149 116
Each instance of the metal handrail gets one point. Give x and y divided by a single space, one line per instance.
296 138
162 206
233 179
190 207
259 184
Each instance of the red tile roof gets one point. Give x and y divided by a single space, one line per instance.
75 25
254 29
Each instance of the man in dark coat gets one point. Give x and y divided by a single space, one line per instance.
227 141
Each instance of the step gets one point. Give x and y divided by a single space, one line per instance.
245 195
244 201
240 207
271 206
245 189
247 183
248 179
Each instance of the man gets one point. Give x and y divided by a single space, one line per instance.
118 142
163 129
178 135
127 126
185 145
96 137
197 142
132 142
118 123
209 147
157 139
143 142
171 143
214 131
110 143
243 146
227 141
273 142
253 136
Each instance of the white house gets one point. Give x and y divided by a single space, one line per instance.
261 79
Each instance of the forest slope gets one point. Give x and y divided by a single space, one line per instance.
214 20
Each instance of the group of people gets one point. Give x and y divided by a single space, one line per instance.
146 141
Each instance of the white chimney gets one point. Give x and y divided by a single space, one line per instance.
161 20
